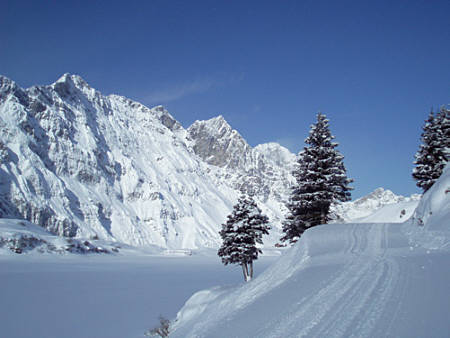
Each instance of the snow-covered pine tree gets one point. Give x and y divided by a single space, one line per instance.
321 180
244 227
434 152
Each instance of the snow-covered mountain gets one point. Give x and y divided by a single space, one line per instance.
379 206
81 164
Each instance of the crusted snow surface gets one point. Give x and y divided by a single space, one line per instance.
340 280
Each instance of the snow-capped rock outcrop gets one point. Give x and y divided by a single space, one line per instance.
263 170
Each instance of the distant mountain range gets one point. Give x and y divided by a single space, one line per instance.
84 165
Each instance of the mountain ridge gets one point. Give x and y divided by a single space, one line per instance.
81 164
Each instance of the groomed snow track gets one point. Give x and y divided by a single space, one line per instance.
340 280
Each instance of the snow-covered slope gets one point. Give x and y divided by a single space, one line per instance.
341 280
379 206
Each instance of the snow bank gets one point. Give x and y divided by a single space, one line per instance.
429 227
339 280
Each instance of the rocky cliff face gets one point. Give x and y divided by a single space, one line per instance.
264 171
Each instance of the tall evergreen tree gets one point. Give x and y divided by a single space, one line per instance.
434 152
321 180
244 228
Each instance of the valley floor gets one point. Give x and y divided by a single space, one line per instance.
72 296
339 280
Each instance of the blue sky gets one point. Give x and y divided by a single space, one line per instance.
375 68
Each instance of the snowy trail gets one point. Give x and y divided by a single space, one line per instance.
368 272
353 280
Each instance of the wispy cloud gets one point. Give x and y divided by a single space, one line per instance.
176 92
200 85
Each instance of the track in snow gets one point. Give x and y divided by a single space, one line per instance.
366 276
357 280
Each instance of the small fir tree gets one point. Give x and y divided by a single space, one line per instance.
434 152
321 180
243 229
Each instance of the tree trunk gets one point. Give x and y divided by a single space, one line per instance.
324 217
245 271
251 270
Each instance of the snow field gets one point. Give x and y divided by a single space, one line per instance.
75 296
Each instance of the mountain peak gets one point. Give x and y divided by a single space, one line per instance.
68 84
216 123
72 80
76 79
218 143
6 84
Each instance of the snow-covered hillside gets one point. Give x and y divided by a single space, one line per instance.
342 280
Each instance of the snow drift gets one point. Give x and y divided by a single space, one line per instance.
429 227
